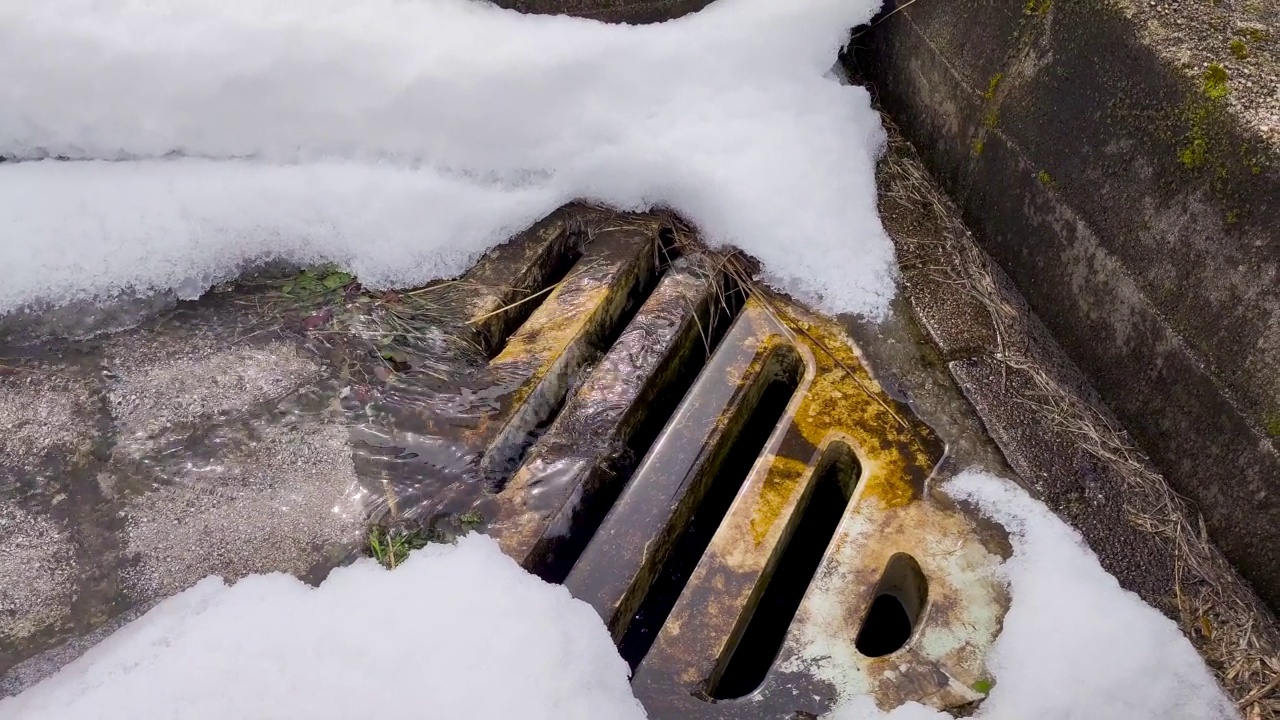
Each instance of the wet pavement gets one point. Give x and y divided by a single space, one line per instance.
256 431
205 442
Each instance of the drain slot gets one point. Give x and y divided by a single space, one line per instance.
584 314
506 321
725 306
895 611
742 452
568 480
667 394
756 649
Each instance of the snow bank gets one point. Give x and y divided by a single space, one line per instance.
404 137
454 632
1075 645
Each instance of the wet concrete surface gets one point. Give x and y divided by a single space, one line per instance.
204 442
234 435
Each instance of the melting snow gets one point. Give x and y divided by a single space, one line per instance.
453 632
403 138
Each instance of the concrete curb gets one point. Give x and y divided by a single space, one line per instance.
1135 210
1061 440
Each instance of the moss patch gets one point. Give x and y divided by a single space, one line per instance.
1273 426
1215 82
1203 116
391 543
994 83
1038 7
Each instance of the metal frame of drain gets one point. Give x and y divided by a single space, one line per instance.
598 455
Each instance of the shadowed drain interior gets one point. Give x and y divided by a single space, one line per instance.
754 655
655 416
899 599
739 455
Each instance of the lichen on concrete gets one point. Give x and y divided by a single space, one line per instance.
1231 38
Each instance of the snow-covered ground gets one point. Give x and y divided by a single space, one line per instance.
462 631
401 138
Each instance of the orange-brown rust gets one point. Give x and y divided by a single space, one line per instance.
837 401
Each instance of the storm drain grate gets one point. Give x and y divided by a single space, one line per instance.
718 475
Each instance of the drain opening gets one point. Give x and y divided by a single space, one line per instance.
781 383
548 399
657 413
900 598
497 330
724 309
820 516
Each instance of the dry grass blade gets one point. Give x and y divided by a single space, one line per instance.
884 17
1260 693
516 304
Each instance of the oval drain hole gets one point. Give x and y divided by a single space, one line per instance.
899 600
756 650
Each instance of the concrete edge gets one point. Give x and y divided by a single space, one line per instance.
1065 445
1138 264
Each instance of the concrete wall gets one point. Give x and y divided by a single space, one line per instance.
1136 206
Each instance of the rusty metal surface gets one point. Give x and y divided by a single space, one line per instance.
554 484
837 402
633 543
428 443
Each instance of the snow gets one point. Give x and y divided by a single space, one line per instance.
402 138
1075 645
453 632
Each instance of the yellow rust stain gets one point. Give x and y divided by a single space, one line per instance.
558 323
565 315
886 481
778 495
844 398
